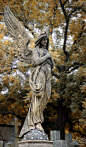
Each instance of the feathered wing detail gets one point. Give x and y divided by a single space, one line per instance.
20 37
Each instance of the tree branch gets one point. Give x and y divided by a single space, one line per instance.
66 30
65 39
77 9
80 34
71 124
83 9
78 132
65 2
67 17
62 6
72 12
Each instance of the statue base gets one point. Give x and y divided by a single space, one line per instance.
35 143
35 135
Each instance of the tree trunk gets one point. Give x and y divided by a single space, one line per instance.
61 119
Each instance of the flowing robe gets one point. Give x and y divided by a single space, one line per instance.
41 90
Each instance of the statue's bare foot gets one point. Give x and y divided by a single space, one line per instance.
39 127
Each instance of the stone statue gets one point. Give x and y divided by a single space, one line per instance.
40 77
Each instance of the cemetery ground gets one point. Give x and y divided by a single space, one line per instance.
9 137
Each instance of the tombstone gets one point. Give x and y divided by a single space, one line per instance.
10 135
60 143
5 135
14 137
55 136
1 137
16 124
1 144
70 143
74 143
11 142
68 138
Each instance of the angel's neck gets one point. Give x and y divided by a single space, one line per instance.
43 46
42 49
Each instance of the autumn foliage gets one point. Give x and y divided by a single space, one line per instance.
67 20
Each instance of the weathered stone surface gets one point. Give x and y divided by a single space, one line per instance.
74 144
41 59
54 135
12 139
69 144
9 131
35 135
68 137
60 143
35 143
1 144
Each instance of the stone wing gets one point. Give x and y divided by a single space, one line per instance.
20 37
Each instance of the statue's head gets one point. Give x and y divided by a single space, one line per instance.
43 39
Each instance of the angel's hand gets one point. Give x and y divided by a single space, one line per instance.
48 55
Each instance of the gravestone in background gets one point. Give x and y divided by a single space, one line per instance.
60 143
68 138
1 144
14 138
9 131
55 137
1 137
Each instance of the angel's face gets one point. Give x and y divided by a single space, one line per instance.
44 41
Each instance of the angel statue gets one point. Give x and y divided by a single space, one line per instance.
43 63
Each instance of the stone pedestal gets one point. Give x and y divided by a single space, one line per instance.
35 135
35 143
